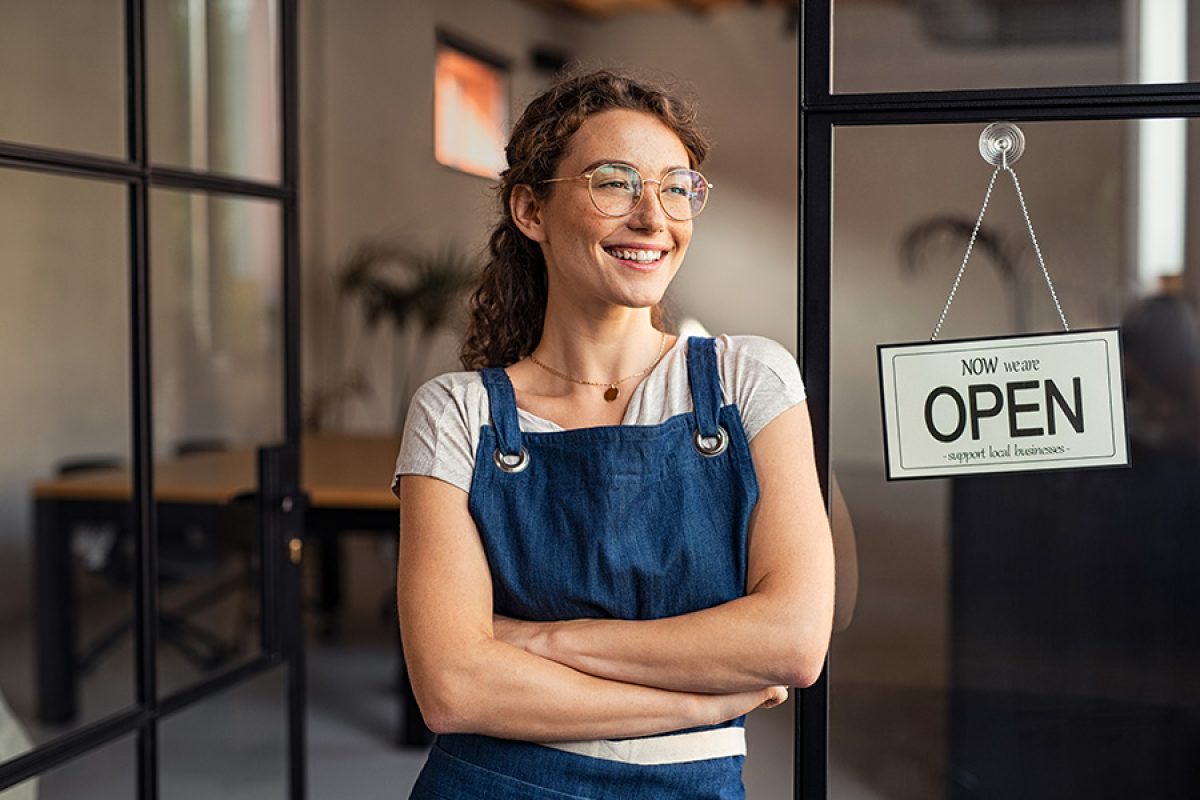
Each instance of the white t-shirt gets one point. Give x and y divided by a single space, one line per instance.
441 434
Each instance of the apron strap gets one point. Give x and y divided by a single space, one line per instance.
705 382
503 405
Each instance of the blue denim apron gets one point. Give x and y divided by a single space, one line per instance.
617 522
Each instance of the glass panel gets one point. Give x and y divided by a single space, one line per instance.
75 103
882 46
64 419
106 773
1026 635
246 761
218 367
214 86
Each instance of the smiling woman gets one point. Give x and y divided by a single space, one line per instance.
613 545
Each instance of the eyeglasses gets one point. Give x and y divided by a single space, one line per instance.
616 190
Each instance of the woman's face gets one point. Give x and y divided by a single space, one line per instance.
597 261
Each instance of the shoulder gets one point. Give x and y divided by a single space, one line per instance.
442 428
450 388
760 376
453 404
750 352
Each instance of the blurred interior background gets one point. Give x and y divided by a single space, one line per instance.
1057 635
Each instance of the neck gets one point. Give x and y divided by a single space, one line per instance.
622 342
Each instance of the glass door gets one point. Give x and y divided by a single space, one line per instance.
1024 635
151 503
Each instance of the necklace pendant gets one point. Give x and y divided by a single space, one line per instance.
611 393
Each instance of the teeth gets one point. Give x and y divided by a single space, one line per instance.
642 256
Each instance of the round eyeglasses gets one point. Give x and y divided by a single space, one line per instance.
616 190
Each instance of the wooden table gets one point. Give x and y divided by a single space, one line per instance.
345 477
336 470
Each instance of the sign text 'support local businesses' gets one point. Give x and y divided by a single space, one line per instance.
1014 404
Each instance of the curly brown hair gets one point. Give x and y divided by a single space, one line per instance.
508 308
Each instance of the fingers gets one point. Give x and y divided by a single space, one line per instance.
776 695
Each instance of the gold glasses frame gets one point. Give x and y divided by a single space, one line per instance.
587 176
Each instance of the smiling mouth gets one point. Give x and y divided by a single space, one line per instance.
640 257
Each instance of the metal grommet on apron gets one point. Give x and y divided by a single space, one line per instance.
509 455
710 446
617 522
710 439
511 463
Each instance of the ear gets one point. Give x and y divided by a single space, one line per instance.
527 212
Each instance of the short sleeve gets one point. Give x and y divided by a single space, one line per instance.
437 440
761 377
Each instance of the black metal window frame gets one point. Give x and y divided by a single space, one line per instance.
282 635
821 111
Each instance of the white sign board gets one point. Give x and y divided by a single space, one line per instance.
1012 404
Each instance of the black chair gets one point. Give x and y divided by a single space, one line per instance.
92 541
190 447
195 543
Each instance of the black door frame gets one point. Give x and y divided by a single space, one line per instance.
821 111
281 503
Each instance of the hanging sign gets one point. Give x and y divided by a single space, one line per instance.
1012 404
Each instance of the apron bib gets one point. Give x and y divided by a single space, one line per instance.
616 522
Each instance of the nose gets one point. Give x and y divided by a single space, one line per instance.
648 214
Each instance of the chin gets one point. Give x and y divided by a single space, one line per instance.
641 302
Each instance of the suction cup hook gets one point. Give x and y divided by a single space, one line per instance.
1001 144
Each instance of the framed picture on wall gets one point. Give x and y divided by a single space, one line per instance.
471 107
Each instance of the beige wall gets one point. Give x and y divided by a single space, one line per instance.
367 165
69 103
63 307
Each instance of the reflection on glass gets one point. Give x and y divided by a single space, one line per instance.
75 103
214 86
218 370
1025 635
64 417
882 46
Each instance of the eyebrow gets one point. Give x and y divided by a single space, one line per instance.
601 162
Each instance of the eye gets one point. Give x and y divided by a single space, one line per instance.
616 178
614 183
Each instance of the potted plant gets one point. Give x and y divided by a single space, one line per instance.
416 291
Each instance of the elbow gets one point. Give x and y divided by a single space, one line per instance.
445 705
803 663
803 675
795 656
439 718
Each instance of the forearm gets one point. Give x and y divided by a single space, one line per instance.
745 644
499 690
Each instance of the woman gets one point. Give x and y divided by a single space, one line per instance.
613 543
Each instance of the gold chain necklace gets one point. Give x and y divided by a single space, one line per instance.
613 391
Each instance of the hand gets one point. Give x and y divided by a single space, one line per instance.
717 708
776 696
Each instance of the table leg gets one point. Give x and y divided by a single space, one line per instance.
329 564
55 611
